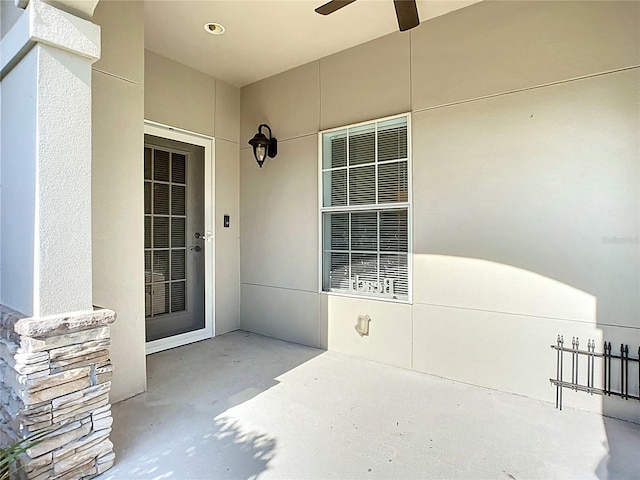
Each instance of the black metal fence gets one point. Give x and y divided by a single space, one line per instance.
584 363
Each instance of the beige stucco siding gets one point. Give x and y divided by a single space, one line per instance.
525 166
130 85
117 189
184 98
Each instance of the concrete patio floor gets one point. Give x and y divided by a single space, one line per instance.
243 406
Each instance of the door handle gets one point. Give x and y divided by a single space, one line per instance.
207 237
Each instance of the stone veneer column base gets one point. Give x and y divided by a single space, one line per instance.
55 375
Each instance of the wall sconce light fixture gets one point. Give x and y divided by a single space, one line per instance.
263 146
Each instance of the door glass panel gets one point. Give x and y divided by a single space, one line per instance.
147 232
178 206
148 171
178 264
147 300
161 165
178 296
178 232
160 266
160 232
160 298
147 198
160 199
178 168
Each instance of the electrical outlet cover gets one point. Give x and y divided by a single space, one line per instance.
362 325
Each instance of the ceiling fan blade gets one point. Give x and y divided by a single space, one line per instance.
407 13
332 6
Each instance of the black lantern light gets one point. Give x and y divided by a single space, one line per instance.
263 146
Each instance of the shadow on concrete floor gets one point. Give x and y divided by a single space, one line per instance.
243 406
174 430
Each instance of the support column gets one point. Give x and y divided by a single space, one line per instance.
54 346
46 161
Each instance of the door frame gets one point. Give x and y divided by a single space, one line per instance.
180 135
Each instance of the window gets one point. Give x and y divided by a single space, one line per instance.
365 209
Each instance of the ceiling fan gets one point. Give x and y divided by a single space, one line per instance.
406 11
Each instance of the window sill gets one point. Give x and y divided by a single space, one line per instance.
365 297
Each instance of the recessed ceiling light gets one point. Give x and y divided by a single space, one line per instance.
214 28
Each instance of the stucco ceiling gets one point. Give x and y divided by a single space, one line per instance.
265 37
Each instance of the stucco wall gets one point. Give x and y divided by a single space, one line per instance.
158 89
117 189
182 97
525 120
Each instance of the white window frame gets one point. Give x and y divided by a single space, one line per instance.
408 205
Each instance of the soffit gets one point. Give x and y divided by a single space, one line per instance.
266 37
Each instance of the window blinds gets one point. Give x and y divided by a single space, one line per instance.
365 209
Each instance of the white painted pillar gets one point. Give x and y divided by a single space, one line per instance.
45 161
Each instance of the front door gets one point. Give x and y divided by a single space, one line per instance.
175 239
